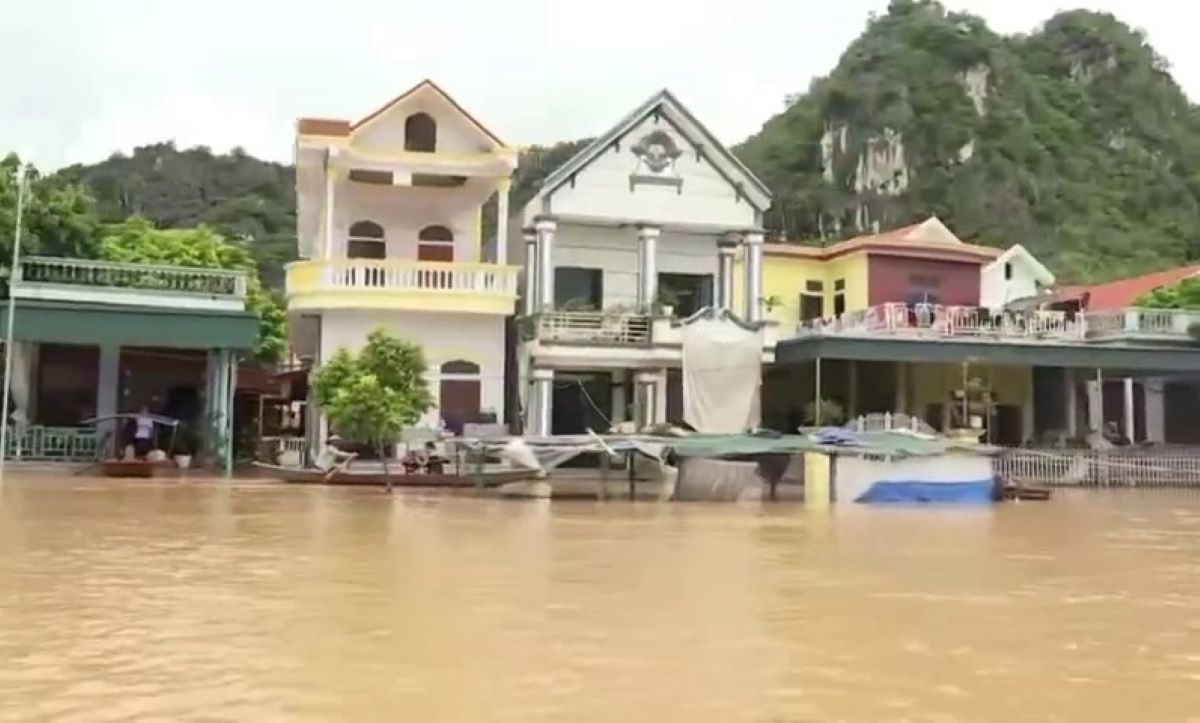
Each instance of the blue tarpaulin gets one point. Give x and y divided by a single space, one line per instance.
969 492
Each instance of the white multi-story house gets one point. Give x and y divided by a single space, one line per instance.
637 231
389 215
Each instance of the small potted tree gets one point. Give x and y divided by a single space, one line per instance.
187 445
831 413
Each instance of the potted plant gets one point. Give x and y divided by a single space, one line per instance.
831 413
187 444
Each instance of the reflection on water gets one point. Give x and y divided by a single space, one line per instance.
122 601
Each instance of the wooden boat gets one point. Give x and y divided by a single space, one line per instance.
134 468
375 477
1026 493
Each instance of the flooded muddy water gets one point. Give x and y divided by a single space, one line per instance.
133 600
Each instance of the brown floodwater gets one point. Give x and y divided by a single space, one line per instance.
126 601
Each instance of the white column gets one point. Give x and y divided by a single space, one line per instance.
545 227
753 269
1152 403
618 396
648 267
852 405
660 397
1095 398
901 388
1072 410
542 402
502 189
330 183
726 248
645 385
531 271
1130 425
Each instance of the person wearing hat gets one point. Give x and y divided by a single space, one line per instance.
332 460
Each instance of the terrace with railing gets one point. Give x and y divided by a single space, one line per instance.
61 279
933 321
589 327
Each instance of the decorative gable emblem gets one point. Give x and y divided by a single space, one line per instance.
656 154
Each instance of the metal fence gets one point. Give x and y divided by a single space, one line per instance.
1122 467
55 444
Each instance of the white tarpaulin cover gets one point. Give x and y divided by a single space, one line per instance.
722 373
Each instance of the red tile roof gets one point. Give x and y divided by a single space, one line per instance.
1124 292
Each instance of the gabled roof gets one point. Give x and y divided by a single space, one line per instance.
1041 274
930 238
666 103
1123 293
343 128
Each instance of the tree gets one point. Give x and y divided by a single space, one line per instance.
136 240
1184 296
60 217
370 397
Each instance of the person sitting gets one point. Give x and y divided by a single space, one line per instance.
434 462
332 460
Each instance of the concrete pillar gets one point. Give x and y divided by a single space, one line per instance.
753 270
530 302
545 227
646 398
852 402
1027 409
541 406
901 387
647 267
1155 411
1072 412
1095 403
619 402
108 387
502 189
1129 424
726 248
330 183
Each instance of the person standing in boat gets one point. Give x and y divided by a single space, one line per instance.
143 433
332 460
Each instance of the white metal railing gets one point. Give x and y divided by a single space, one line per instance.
888 421
1119 467
81 273
594 327
55 444
935 320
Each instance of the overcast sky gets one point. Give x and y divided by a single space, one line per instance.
84 78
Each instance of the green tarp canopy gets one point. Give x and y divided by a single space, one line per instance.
72 322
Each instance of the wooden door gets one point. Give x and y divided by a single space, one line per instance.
460 401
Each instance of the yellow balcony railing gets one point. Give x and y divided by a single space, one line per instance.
403 284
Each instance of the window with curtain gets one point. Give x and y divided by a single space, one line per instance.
435 243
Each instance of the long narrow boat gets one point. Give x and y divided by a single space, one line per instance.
376 478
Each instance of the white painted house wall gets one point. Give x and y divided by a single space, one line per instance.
454 133
614 251
995 290
402 212
444 337
602 188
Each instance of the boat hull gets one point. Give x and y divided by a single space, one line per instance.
294 475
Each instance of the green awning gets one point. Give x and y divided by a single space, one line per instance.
66 322
1142 357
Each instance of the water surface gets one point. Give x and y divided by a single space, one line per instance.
159 601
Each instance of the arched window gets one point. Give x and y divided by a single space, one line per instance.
420 133
460 366
459 394
435 243
366 241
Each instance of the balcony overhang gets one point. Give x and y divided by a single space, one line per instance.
78 322
468 288
1177 357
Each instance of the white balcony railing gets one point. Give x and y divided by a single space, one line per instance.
401 275
594 327
936 321
61 279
